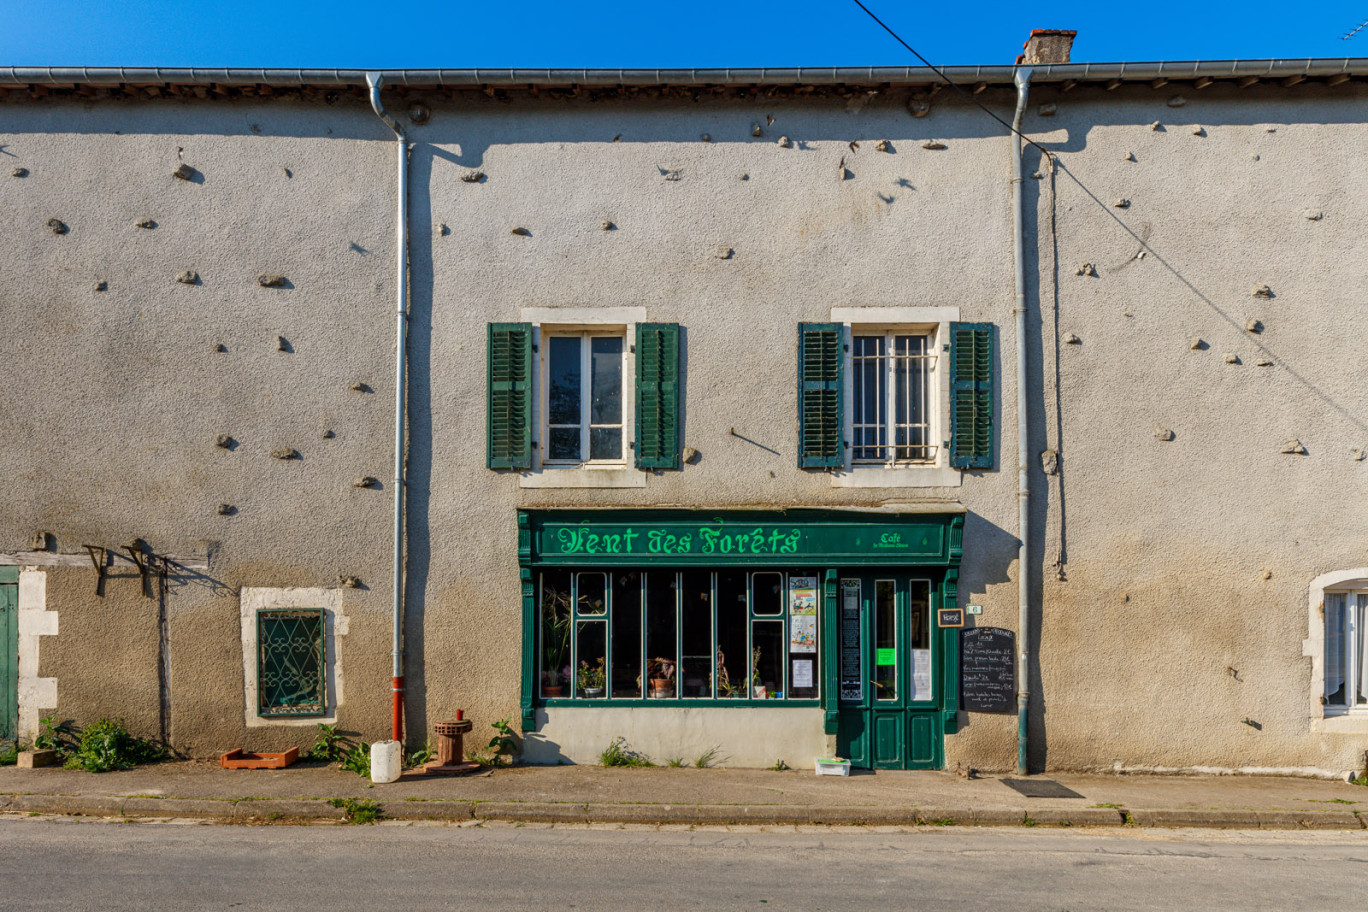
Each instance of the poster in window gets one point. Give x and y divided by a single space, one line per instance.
802 674
803 595
921 674
803 634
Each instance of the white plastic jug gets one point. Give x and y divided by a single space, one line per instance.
387 761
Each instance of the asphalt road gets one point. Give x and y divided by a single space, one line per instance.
70 864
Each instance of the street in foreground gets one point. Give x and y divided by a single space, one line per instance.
80 864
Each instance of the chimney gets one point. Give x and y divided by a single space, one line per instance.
1047 46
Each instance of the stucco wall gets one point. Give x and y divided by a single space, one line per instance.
113 399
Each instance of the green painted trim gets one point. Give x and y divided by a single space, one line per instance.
829 636
9 652
686 703
529 650
9 574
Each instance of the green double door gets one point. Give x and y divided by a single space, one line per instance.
9 653
889 671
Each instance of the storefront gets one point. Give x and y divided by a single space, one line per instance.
829 617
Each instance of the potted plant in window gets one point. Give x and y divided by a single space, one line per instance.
757 688
555 641
589 679
661 672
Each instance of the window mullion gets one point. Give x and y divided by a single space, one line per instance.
887 375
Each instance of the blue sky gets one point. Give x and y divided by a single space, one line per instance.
632 33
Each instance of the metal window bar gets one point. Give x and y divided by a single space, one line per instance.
892 378
291 678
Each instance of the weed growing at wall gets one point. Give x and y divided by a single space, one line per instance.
329 745
9 755
107 745
619 754
500 749
357 760
706 758
425 754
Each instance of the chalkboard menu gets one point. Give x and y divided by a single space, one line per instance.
988 670
852 680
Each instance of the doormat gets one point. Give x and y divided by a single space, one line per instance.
1040 788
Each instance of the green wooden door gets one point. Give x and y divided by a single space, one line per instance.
9 652
891 718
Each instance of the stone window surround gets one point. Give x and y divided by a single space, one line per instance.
336 622
1348 722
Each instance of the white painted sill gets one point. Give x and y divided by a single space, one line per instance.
583 477
907 477
1342 722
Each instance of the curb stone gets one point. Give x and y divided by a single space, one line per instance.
177 807
1079 817
69 804
246 810
429 810
531 811
5 801
1308 820
1195 817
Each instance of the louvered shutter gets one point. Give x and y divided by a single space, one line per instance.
510 396
821 366
657 396
971 395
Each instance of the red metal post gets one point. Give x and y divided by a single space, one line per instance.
398 734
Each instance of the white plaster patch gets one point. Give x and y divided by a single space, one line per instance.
335 626
35 694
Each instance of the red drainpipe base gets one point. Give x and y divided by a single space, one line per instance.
398 734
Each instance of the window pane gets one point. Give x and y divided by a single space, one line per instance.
564 444
290 662
563 380
1336 623
591 643
911 435
555 633
767 660
662 629
605 399
627 634
1361 633
885 642
868 424
605 443
919 638
592 593
803 586
733 662
767 593
695 673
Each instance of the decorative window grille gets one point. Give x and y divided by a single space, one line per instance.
290 665
892 399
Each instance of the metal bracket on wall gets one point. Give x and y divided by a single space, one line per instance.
144 562
100 563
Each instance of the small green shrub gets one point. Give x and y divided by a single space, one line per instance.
619 754
674 762
501 747
425 754
9 755
55 735
779 767
358 810
329 746
106 746
357 760
706 758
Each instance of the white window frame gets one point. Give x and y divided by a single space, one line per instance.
586 338
888 391
1347 720
933 322
1355 607
601 321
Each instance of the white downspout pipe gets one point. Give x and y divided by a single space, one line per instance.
374 81
1022 79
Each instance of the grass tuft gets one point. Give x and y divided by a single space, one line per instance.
619 754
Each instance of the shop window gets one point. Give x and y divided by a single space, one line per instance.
290 662
1346 651
666 635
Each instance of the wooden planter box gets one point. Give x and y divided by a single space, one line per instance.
239 759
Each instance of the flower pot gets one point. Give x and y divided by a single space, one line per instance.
552 690
660 688
593 691
760 691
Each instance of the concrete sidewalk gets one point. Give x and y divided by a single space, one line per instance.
589 794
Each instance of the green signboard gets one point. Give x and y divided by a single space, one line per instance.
698 538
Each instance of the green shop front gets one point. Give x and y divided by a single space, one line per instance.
748 632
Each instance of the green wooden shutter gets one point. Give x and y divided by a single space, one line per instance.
510 396
821 367
972 445
657 396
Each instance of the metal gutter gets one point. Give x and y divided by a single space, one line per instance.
763 76
1023 86
373 83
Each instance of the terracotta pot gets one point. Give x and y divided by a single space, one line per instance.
660 687
552 690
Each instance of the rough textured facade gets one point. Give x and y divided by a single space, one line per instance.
1173 598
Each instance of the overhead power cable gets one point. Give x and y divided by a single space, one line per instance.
946 79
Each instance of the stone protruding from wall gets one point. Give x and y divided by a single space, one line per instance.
1048 46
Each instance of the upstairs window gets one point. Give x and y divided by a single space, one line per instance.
584 398
891 424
